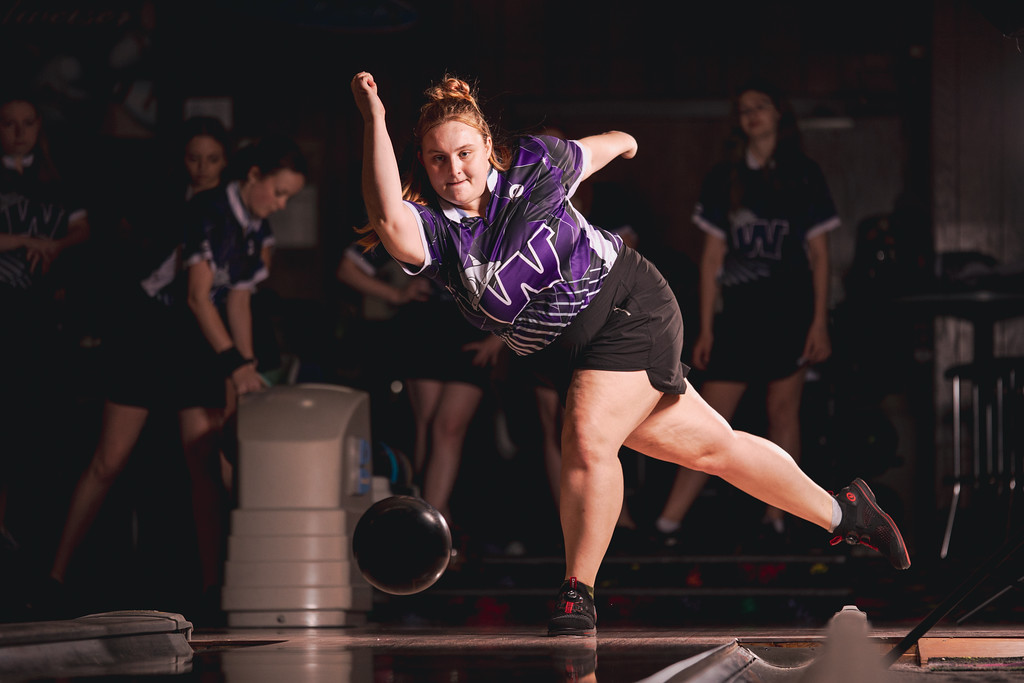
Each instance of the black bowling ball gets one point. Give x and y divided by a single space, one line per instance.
402 545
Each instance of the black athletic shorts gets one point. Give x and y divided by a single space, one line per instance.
157 357
759 341
632 324
430 345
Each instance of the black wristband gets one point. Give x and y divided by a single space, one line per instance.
231 359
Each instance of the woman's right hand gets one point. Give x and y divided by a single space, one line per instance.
41 253
418 289
702 350
487 351
247 380
364 89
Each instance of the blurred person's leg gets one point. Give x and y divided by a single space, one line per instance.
724 398
200 436
458 404
119 433
424 398
782 405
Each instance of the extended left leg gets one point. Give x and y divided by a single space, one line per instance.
685 430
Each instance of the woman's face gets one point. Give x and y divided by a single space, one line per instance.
457 159
266 194
204 160
19 128
758 115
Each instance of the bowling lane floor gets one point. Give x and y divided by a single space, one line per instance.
398 653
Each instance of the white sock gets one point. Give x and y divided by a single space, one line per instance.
837 515
666 526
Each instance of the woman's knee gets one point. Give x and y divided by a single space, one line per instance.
783 413
716 456
587 449
197 424
106 465
783 400
450 427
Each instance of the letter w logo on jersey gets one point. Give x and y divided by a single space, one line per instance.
762 239
525 273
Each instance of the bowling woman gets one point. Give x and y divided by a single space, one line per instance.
495 225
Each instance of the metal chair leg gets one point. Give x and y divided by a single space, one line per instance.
999 429
976 426
944 550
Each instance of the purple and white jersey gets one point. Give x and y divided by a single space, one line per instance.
529 266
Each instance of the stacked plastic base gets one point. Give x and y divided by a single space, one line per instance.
304 480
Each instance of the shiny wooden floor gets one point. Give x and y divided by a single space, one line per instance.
725 654
127 646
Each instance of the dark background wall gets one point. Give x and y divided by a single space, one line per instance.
859 76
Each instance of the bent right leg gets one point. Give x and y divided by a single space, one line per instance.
120 431
602 408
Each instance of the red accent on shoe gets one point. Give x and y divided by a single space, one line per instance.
568 607
572 583
836 541
851 496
